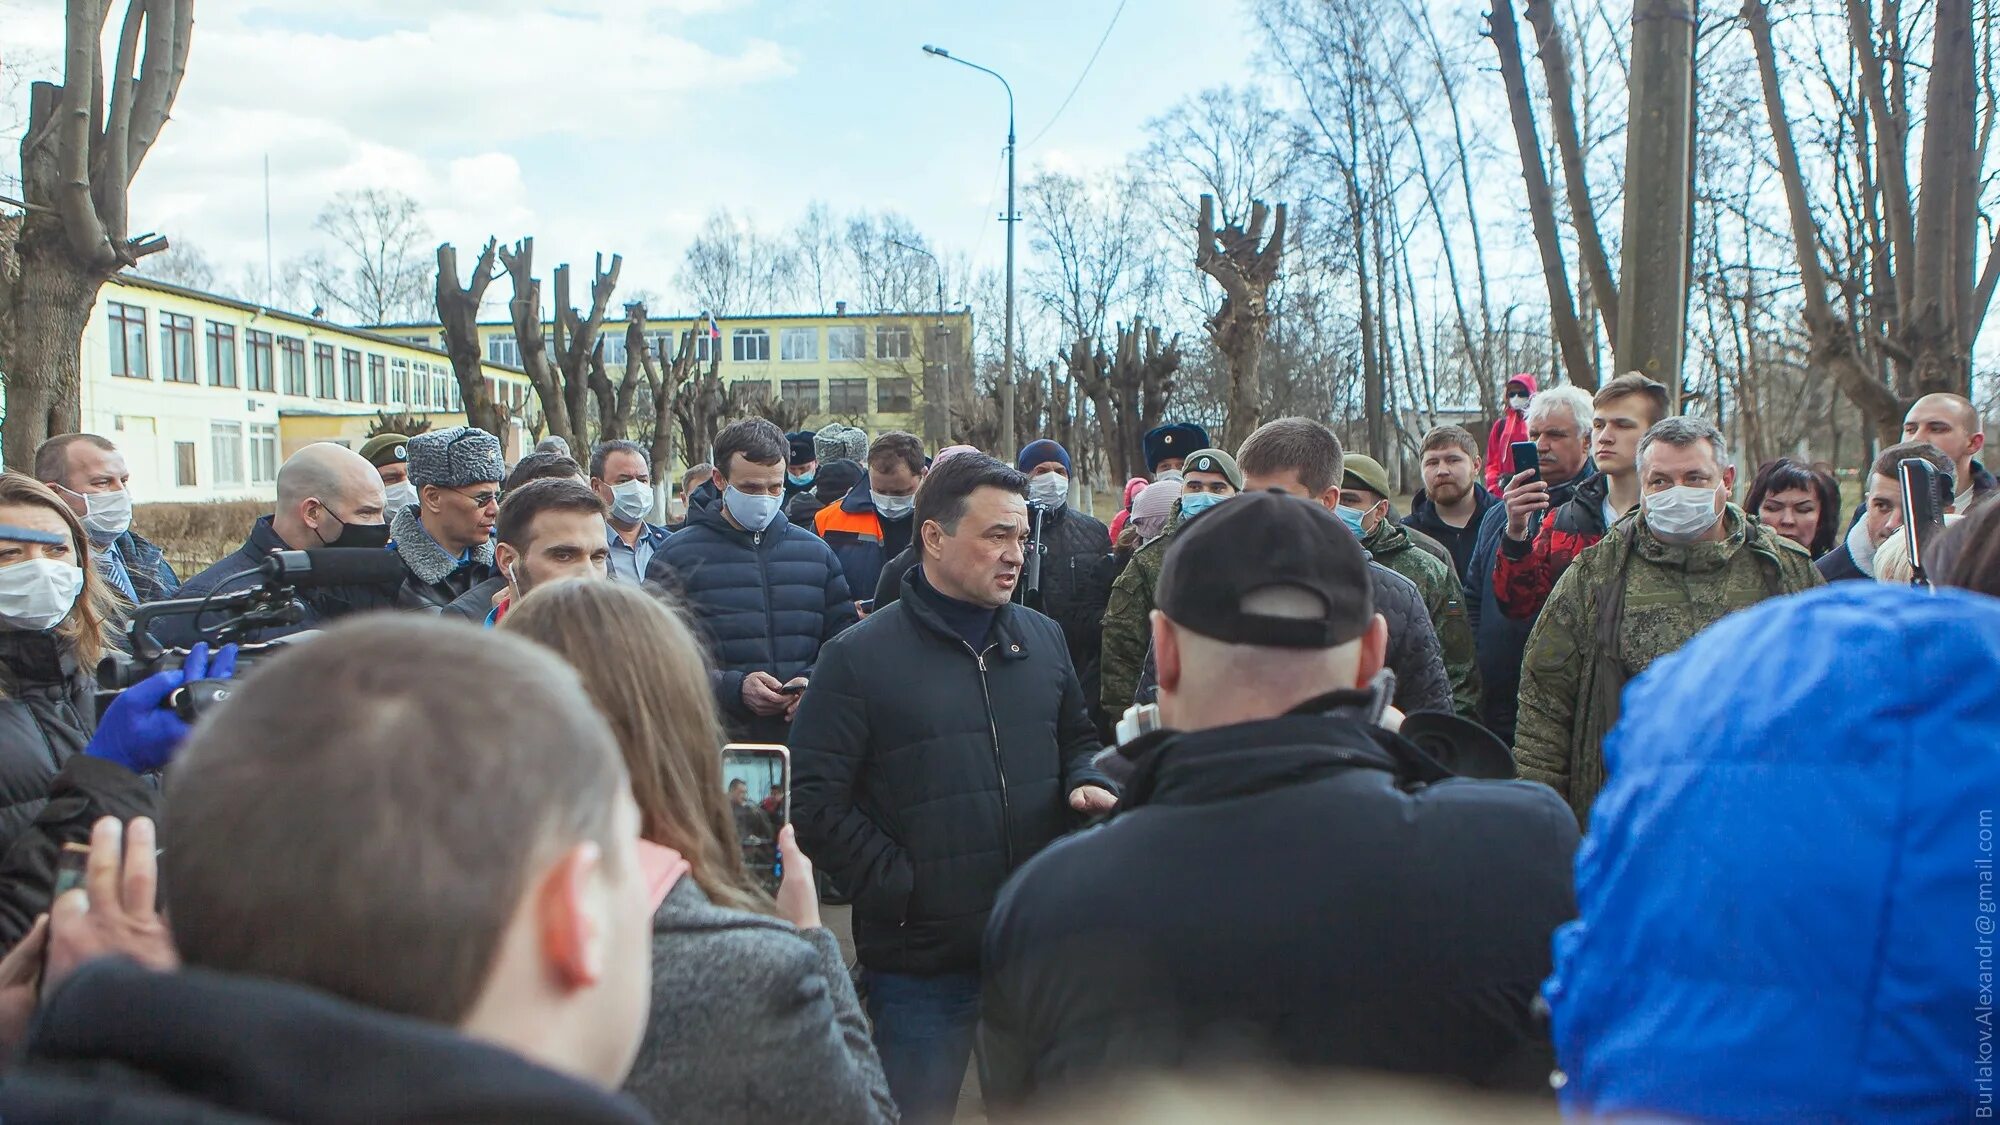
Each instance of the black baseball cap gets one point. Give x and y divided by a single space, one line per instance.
1258 541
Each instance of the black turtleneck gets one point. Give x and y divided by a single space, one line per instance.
970 621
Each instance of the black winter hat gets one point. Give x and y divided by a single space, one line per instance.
1258 541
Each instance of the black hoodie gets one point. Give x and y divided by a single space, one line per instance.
118 1043
1458 540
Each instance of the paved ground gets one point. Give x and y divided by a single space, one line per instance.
837 919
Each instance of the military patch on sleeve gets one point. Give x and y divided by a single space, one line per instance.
1553 652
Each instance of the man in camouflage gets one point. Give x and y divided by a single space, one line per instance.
1208 476
1364 499
1685 560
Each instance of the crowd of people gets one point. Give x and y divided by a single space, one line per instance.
1578 780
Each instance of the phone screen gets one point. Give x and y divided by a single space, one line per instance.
757 779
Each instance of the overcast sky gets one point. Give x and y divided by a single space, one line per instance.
620 124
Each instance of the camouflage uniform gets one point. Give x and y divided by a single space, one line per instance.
1128 627
1624 603
1403 551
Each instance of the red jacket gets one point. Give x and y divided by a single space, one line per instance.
1512 427
1523 576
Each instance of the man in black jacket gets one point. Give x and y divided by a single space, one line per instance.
1076 570
944 741
1287 883
325 907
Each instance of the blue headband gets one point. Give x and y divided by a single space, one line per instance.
30 535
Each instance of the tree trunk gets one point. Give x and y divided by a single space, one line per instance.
1562 119
458 312
40 354
1245 265
1939 326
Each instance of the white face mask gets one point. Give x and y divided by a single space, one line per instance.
1050 490
107 515
37 594
631 502
892 507
1519 402
1681 513
399 496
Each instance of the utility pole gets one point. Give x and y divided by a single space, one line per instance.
1659 165
1007 441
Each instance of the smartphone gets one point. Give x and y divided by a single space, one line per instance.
1527 455
865 606
71 864
791 689
757 780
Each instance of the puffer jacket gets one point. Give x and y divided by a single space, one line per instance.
1524 573
47 713
1500 638
1787 889
1410 554
862 539
765 601
925 773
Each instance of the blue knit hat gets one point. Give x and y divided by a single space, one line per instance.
1039 451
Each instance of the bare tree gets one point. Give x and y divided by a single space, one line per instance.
662 381
525 310
378 272
1562 118
888 274
183 264
458 310
1244 263
1129 387
818 256
730 269
578 344
78 157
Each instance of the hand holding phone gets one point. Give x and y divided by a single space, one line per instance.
1527 494
757 779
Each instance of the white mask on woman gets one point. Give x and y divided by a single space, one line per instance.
38 594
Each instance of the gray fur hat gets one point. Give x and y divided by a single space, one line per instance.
455 458
835 442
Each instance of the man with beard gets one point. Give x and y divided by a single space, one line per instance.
1450 505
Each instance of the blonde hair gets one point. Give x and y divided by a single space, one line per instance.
89 628
1892 558
648 675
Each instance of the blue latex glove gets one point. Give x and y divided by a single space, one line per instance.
139 731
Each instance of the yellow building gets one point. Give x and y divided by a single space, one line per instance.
866 370
207 395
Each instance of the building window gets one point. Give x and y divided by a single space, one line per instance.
802 393
750 345
501 347
177 348
892 341
420 385
257 353
798 345
350 375
221 355
326 384
378 380
292 358
704 345
399 382
844 343
128 340
892 396
444 390
263 453
847 396
752 390
225 447
614 348
184 476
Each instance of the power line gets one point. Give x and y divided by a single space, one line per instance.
1101 40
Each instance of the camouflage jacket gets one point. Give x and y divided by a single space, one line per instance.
1128 629
1625 602
1403 551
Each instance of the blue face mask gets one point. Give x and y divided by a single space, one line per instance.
754 513
1195 503
1352 518
800 482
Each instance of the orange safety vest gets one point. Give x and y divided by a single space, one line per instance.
863 525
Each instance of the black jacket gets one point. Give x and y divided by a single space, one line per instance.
236 572
925 773
1838 565
1279 893
47 713
1502 639
1414 655
765 602
476 604
117 1043
1460 541
84 790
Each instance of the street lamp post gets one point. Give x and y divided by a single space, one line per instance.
1007 443
941 419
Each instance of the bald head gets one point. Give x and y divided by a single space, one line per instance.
322 487
1949 422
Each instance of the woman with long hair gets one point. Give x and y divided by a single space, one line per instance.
754 1017
1800 502
56 616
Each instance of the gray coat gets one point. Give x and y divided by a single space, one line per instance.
753 1021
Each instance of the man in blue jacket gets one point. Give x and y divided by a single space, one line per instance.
767 594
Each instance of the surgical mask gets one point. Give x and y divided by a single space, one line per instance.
631 501
1050 490
892 507
37 594
399 496
1195 503
1680 514
1518 402
797 481
107 515
1352 518
755 513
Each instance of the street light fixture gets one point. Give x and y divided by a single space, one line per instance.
1007 443
942 420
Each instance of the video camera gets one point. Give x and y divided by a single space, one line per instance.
244 617
1926 494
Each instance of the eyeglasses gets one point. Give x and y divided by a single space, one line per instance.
482 499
